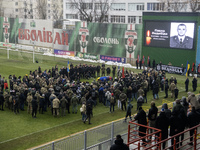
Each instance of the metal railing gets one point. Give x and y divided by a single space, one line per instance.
87 140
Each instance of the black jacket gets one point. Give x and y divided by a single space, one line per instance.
119 145
152 115
162 122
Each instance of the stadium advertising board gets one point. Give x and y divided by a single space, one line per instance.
118 40
63 52
87 56
114 59
169 69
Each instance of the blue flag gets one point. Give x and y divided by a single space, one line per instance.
68 67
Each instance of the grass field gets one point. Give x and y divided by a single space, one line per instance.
21 131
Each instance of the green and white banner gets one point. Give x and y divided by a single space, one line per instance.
87 56
119 40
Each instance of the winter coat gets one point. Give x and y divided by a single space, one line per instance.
129 92
152 115
123 97
119 145
193 119
193 101
162 122
141 117
56 103
166 110
174 123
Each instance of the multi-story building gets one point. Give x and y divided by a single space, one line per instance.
128 11
51 9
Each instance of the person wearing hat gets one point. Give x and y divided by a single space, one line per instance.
112 103
162 123
119 144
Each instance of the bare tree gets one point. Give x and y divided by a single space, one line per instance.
41 8
91 10
175 5
194 5
57 15
1 8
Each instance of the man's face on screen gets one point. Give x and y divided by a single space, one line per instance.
181 30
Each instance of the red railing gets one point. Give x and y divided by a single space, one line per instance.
135 139
186 141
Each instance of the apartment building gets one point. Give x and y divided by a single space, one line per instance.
128 11
30 9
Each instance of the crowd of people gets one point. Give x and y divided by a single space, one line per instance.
61 90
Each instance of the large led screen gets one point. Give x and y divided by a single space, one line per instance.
169 34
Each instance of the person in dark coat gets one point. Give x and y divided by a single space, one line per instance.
193 120
119 145
183 123
176 90
34 107
137 64
1 100
154 64
194 84
166 110
129 93
128 112
186 84
140 63
174 127
152 115
16 104
185 104
166 88
88 112
108 71
141 117
42 103
162 123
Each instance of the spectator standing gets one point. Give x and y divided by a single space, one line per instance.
152 115
56 103
112 103
141 117
166 88
162 123
74 101
193 120
140 101
1 100
123 99
194 83
88 112
128 112
63 103
83 111
174 127
108 96
186 84
34 106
